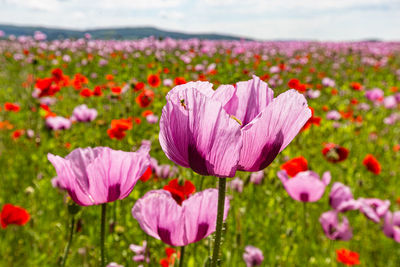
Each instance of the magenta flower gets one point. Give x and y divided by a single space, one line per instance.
99 175
305 186
391 226
219 132
375 95
341 199
236 185
58 123
334 229
84 114
374 208
253 256
257 177
140 252
160 216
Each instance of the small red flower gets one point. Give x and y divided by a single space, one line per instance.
179 80
335 153
11 214
295 165
86 92
116 90
293 83
118 128
170 259
347 257
147 113
372 164
154 80
97 91
313 120
356 86
146 175
145 98
180 192
139 86
17 134
11 107
46 87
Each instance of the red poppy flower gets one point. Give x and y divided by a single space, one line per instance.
170 259
179 80
97 91
265 77
118 128
335 153
180 192
146 175
356 86
372 164
17 134
11 214
116 90
313 120
295 165
147 113
166 70
154 80
293 83
139 86
46 87
57 75
86 92
145 98
109 77
11 107
347 257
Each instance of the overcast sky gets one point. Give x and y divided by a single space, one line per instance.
264 20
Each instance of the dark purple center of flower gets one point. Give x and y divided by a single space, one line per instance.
196 161
114 192
201 231
269 152
304 197
165 235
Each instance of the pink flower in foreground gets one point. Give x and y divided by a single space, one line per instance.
305 186
99 175
391 227
161 217
231 128
84 114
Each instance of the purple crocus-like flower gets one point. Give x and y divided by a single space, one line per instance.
231 128
84 114
334 229
140 252
333 115
390 102
341 198
58 123
257 177
236 184
374 208
328 82
305 186
375 95
253 256
161 217
99 175
391 226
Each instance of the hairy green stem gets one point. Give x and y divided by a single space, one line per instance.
182 256
102 233
71 234
220 216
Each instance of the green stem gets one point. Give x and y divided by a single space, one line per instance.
102 233
71 234
220 216
305 232
182 256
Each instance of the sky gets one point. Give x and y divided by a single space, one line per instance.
258 19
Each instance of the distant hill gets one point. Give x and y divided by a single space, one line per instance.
110 33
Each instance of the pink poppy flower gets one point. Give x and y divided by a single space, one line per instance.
305 186
391 226
99 175
334 229
161 217
231 128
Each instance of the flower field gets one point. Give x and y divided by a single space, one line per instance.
116 153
